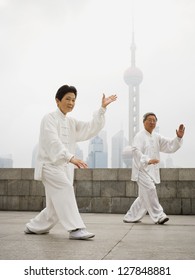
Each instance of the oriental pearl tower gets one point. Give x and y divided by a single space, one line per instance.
133 77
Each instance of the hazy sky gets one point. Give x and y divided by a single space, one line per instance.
86 43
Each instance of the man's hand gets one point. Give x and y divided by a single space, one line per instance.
107 100
180 131
78 162
153 161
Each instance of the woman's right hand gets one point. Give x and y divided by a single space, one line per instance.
78 162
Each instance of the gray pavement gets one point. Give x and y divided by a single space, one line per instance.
114 240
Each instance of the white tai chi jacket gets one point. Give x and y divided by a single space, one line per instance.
148 146
58 137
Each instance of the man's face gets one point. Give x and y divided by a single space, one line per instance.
150 123
67 103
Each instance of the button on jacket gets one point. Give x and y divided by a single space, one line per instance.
148 146
59 135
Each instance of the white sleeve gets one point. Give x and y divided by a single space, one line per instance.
86 130
170 145
140 159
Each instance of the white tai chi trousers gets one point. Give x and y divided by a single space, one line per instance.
147 201
60 202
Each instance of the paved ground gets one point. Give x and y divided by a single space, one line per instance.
114 239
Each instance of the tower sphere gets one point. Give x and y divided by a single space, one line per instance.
133 76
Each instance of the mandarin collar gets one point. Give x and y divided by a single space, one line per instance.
59 112
148 133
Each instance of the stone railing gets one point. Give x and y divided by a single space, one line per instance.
99 190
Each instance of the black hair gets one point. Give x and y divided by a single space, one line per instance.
64 90
149 114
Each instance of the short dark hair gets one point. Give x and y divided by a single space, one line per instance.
148 114
64 90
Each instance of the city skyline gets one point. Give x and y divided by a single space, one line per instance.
97 154
70 43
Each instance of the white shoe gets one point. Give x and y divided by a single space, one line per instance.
125 220
80 234
28 231
163 220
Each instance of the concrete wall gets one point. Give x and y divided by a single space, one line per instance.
99 190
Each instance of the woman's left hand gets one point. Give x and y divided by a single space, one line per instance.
107 100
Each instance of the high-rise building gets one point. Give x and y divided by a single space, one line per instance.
119 142
6 161
103 134
133 77
97 154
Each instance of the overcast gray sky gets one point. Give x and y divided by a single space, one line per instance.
86 43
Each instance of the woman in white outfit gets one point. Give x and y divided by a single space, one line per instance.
146 149
55 164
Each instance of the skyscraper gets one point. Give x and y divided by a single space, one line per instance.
118 144
6 161
98 155
133 77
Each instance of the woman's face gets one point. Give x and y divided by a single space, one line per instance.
67 103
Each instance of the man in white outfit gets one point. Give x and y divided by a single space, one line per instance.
146 149
55 164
